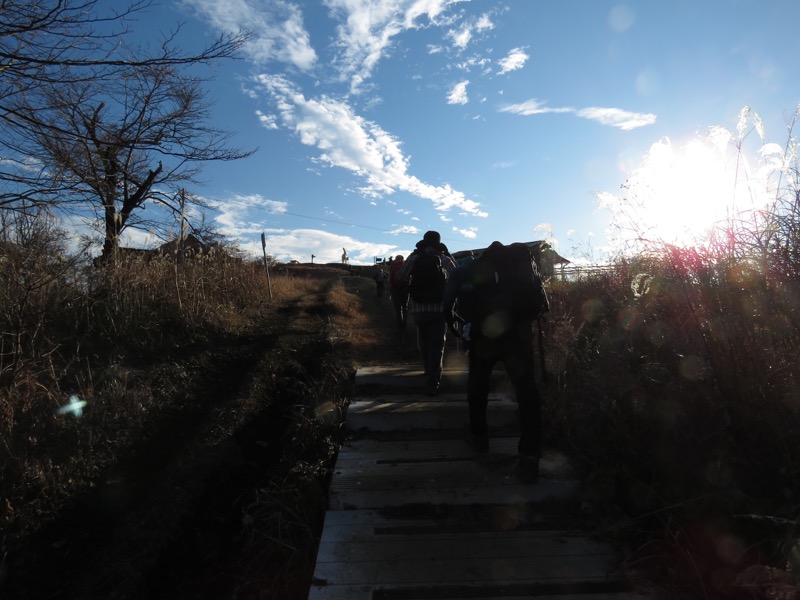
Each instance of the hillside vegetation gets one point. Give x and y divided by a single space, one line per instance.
207 406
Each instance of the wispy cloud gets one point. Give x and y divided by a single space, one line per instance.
458 93
277 27
409 229
242 216
367 30
617 117
463 34
364 35
614 117
504 164
348 141
515 60
533 107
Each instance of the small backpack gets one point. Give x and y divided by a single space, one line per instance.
506 279
394 278
427 278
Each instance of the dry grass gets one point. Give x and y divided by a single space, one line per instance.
181 363
677 385
674 381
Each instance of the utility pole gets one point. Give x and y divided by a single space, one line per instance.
266 263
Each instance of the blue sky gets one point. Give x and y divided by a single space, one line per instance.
512 120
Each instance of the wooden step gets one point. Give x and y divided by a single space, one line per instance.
414 411
415 513
371 473
372 554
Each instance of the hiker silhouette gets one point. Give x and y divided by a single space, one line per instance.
426 271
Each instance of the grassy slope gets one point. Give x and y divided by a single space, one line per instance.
226 495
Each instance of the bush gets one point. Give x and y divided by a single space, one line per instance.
677 384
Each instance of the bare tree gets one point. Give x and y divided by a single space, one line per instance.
85 118
118 145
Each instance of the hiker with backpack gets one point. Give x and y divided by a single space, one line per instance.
380 281
398 289
498 297
426 271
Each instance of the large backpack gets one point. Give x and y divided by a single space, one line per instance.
394 275
427 278
506 282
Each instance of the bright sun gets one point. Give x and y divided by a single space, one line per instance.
680 191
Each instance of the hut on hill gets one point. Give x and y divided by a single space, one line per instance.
546 258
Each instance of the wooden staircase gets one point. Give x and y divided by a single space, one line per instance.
414 513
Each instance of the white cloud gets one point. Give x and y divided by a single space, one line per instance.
460 37
266 121
484 23
475 62
458 93
348 141
469 232
277 26
532 107
235 216
507 164
367 29
515 60
300 244
617 117
463 35
410 229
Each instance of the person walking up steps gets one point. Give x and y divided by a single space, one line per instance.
399 292
499 296
426 271
380 281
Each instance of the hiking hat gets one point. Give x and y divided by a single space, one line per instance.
431 238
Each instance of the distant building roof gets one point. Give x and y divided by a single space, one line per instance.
542 252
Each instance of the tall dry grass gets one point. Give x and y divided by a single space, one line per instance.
104 336
678 383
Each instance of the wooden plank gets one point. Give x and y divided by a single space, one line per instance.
444 570
486 471
366 483
366 592
405 375
385 520
401 402
398 496
468 546
412 412
428 530
364 452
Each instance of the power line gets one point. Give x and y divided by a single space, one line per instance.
279 212
382 230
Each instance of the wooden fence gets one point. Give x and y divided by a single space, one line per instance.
573 272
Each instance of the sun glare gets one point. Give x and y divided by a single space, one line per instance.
680 192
